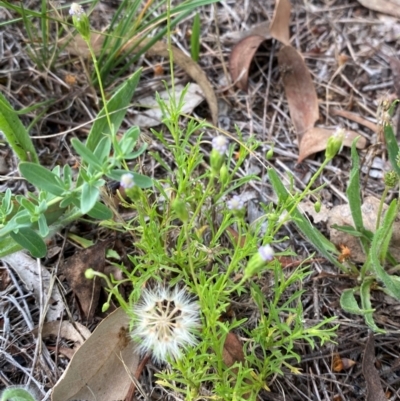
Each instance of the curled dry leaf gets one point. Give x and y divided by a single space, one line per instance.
240 59
280 22
78 47
391 7
299 89
98 369
243 52
316 139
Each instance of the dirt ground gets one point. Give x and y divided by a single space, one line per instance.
347 49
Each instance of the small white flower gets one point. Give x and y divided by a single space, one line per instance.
266 252
220 144
127 181
76 10
164 322
236 203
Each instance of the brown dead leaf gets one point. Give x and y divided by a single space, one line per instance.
316 139
391 7
233 350
261 29
78 47
280 22
299 89
86 291
395 67
341 216
97 369
240 59
339 364
371 374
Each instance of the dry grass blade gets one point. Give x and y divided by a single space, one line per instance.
280 22
299 89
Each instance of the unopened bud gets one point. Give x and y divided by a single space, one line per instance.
216 161
270 154
180 209
317 206
335 143
390 179
90 273
264 255
224 174
105 307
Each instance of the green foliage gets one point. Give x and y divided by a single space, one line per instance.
15 133
17 393
195 38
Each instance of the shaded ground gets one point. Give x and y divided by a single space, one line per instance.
347 49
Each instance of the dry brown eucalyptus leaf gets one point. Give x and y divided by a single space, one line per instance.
316 139
299 89
280 22
241 58
391 7
374 387
98 369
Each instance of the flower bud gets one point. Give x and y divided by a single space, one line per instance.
180 209
317 206
90 273
390 179
105 307
264 255
270 154
17 393
335 144
80 21
224 174
216 162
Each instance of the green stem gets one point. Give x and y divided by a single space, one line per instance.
383 197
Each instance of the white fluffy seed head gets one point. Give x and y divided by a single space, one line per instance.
165 321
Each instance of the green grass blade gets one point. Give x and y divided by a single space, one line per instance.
117 107
354 194
392 147
195 39
15 133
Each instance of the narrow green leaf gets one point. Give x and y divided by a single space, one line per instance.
117 107
8 246
86 155
365 295
41 178
393 286
354 194
103 149
347 229
89 197
15 133
349 303
392 147
30 240
321 243
100 212
195 38
43 227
